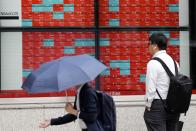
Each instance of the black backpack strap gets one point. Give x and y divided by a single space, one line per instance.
176 68
164 103
170 74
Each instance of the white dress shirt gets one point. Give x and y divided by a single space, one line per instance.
81 123
157 78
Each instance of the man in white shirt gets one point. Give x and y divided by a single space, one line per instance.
155 116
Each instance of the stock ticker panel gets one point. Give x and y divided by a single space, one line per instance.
57 13
125 53
111 12
139 12
41 47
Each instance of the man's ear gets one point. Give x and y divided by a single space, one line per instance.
155 46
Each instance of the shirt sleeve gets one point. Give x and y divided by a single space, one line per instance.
151 79
63 120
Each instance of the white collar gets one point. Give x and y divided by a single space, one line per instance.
158 52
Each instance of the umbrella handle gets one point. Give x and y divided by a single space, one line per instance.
67 100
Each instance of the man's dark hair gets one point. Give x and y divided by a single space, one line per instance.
159 39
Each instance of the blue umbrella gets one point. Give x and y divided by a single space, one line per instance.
63 73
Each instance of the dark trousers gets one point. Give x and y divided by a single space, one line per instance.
84 129
157 119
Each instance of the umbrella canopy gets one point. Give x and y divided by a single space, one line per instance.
63 73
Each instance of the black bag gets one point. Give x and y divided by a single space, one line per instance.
107 113
180 91
179 126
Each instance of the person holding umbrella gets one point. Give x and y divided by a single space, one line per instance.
62 74
85 110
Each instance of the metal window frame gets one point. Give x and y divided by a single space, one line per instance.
192 24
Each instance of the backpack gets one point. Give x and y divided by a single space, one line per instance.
107 111
179 93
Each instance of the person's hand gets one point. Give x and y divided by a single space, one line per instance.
148 108
69 108
44 124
